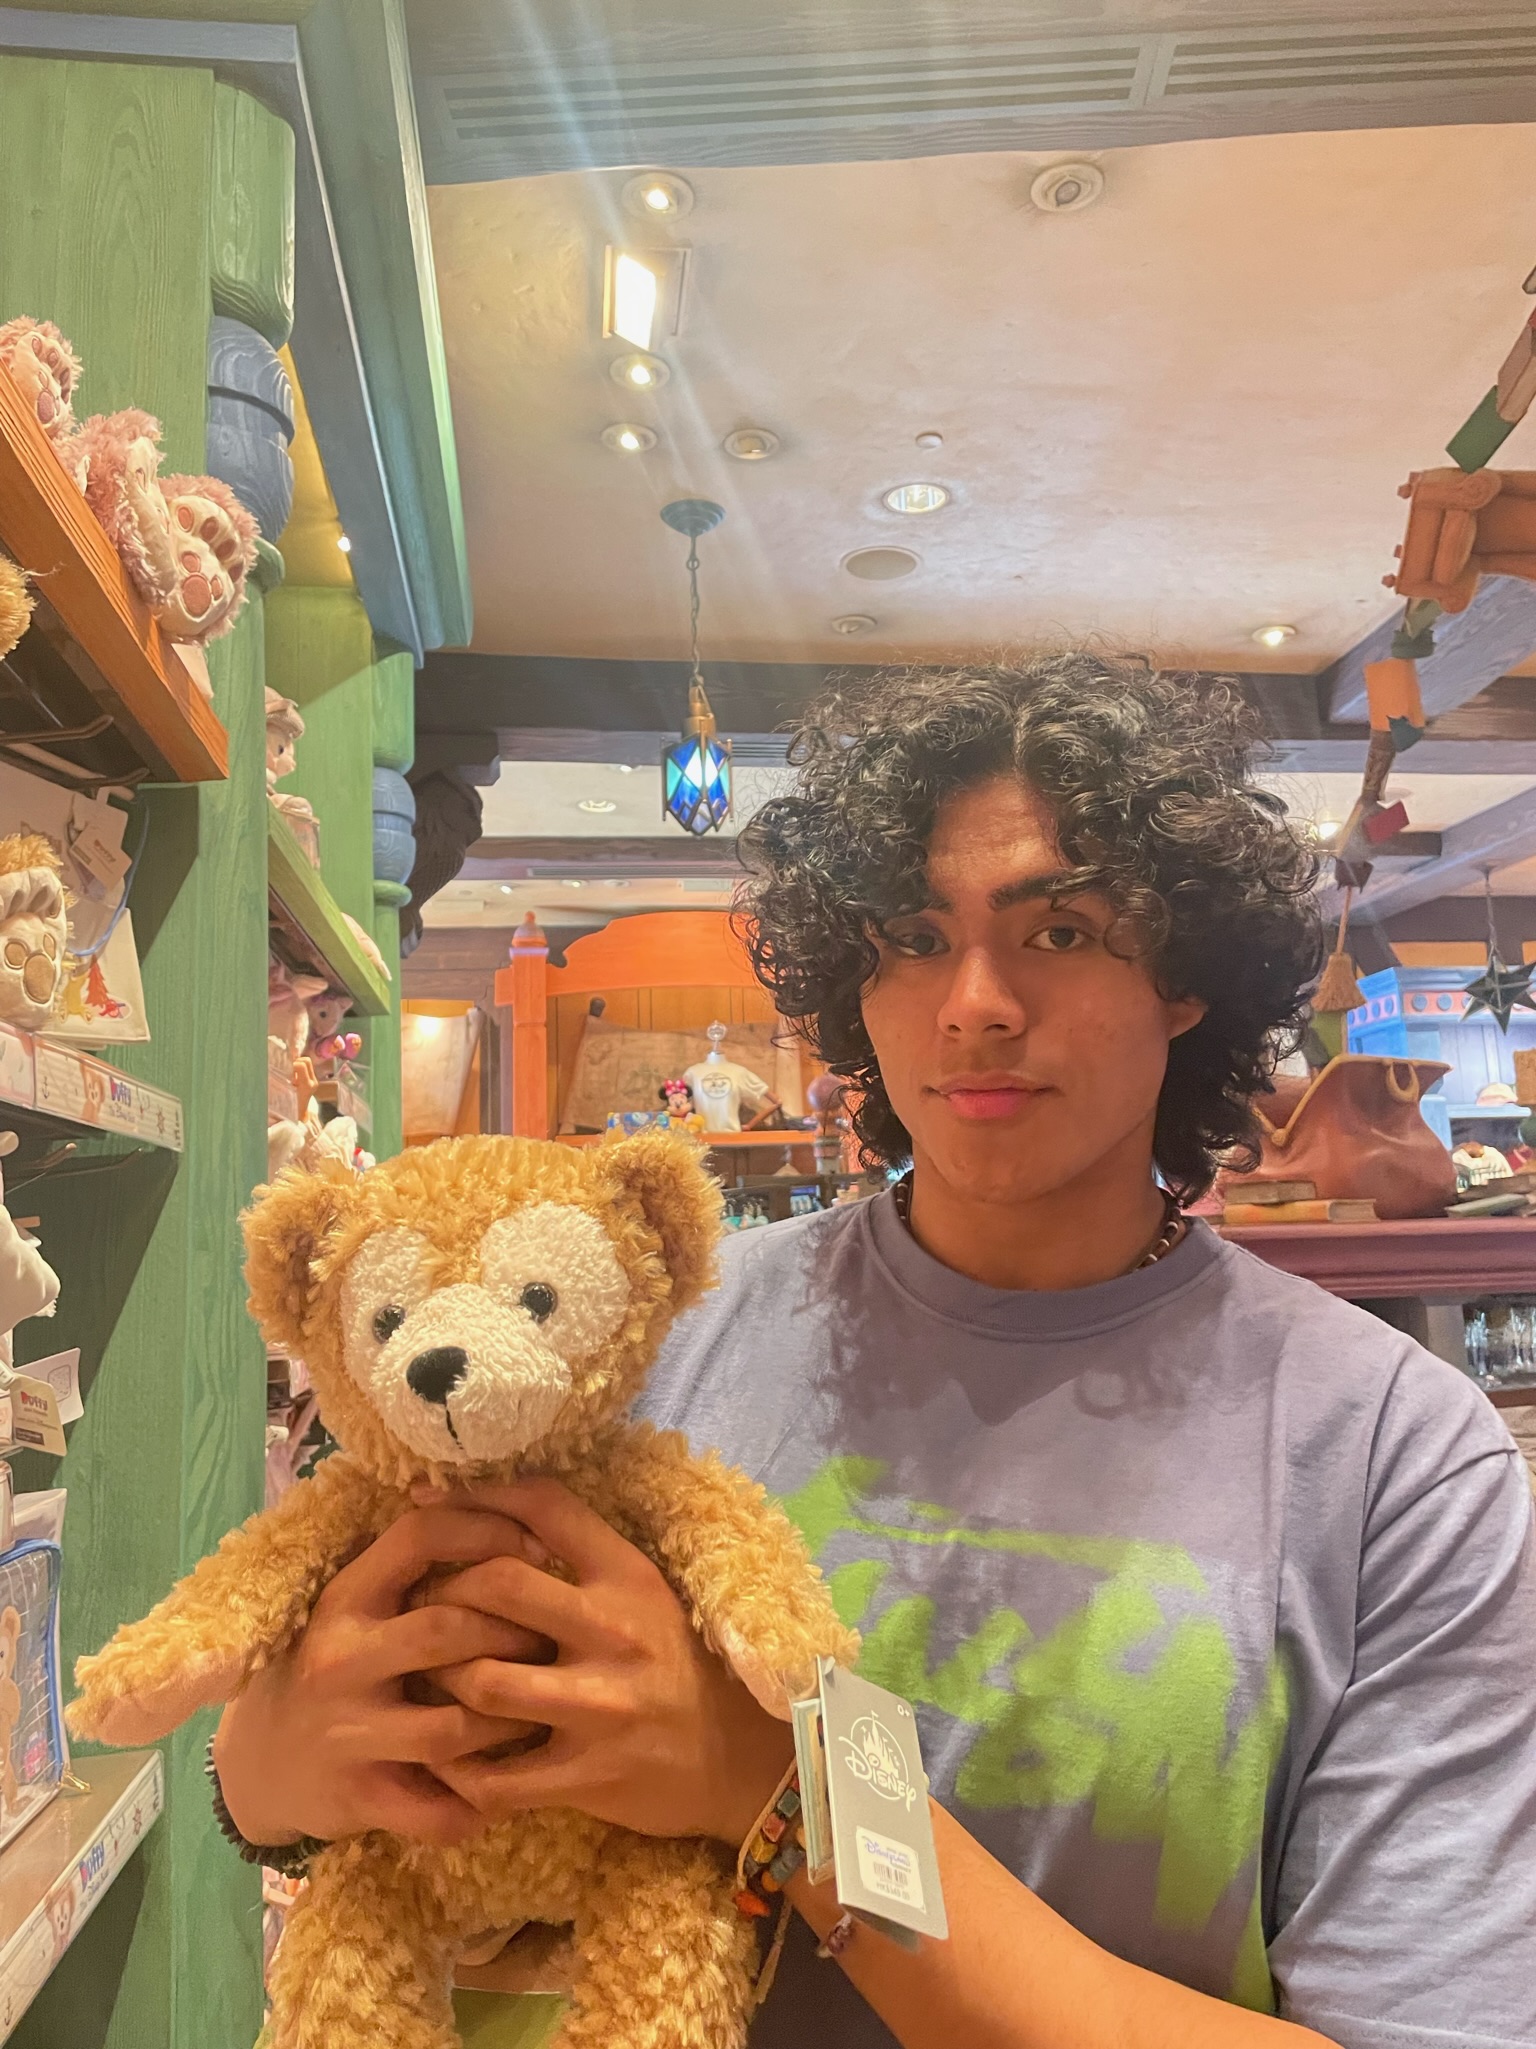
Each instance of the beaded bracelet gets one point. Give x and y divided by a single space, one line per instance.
291 1859
773 1851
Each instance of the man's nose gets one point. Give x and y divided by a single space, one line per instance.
979 997
436 1373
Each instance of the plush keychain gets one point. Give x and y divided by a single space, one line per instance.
484 1308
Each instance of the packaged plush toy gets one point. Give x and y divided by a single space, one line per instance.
475 1309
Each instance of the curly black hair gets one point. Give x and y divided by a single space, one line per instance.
1149 778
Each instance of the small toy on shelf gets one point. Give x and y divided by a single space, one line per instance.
33 928
489 1307
367 945
302 822
678 1098
15 605
28 1284
47 370
285 728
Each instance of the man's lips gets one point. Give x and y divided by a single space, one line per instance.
981 1096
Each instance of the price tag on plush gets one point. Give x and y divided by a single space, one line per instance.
35 1416
864 1797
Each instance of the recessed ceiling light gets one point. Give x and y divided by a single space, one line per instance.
854 622
932 439
750 444
916 498
344 544
571 884
596 804
506 889
639 372
880 565
1274 636
628 439
658 196
1067 188
1328 828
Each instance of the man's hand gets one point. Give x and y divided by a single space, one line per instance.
325 1740
647 1728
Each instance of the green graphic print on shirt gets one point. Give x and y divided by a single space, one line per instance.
1152 1747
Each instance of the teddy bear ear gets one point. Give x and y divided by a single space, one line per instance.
287 1229
679 1200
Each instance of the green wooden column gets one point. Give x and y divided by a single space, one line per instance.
112 202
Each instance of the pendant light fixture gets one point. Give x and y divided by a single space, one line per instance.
696 769
1499 988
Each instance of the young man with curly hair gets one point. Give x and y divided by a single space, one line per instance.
1215 1596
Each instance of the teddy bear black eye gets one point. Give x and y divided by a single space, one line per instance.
387 1321
540 1300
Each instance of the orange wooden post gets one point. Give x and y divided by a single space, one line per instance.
521 988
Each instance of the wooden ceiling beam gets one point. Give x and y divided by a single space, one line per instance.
1472 649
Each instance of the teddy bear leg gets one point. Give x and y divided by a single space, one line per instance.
365 1960
663 1960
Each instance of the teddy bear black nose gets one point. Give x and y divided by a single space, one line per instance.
435 1374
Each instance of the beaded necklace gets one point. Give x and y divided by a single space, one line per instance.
1172 1229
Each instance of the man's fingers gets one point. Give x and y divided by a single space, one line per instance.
498 1788
442 1634
408 1800
511 1693
516 1592
565 1526
435 1736
376 1583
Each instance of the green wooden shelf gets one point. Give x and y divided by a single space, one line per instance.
310 919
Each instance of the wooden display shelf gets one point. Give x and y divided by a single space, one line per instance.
52 1877
66 1085
1438 1259
89 611
310 919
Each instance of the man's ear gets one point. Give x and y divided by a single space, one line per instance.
287 1229
665 1181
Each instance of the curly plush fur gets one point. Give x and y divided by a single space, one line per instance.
450 1243
15 605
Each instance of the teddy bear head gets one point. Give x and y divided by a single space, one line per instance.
480 1305
47 370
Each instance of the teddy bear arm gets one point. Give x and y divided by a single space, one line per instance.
237 1608
736 1558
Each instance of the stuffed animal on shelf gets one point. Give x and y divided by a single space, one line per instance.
479 1308
367 944
284 729
47 370
33 928
187 542
289 996
28 1284
15 605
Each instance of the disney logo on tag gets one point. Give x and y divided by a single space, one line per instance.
875 1758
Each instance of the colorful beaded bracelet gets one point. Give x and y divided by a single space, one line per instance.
773 1851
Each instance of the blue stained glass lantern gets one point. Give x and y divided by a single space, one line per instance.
696 771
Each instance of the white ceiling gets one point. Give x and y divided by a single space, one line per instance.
1168 419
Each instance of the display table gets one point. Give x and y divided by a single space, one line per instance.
1414 1275
1437 1259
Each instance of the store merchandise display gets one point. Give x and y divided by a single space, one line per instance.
186 542
722 1089
1352 1134
582 1261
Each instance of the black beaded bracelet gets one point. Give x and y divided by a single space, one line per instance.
291 1859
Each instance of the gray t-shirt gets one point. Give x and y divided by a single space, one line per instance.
1216 1598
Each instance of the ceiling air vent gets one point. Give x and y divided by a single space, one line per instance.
538 109
1320 59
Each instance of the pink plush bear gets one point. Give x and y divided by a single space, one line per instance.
187 542
47 370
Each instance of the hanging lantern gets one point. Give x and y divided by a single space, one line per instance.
696 768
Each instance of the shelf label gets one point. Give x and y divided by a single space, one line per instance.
90 1092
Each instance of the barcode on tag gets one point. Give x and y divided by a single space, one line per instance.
890 1869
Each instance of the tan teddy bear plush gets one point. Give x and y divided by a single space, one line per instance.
482 1308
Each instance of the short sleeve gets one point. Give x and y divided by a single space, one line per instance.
1405 1906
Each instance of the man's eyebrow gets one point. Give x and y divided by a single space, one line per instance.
1025 890
1030 886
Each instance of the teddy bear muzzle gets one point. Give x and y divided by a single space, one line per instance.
467 1377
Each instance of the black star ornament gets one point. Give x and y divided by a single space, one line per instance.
1500 990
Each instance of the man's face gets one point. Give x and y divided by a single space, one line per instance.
1017 1049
